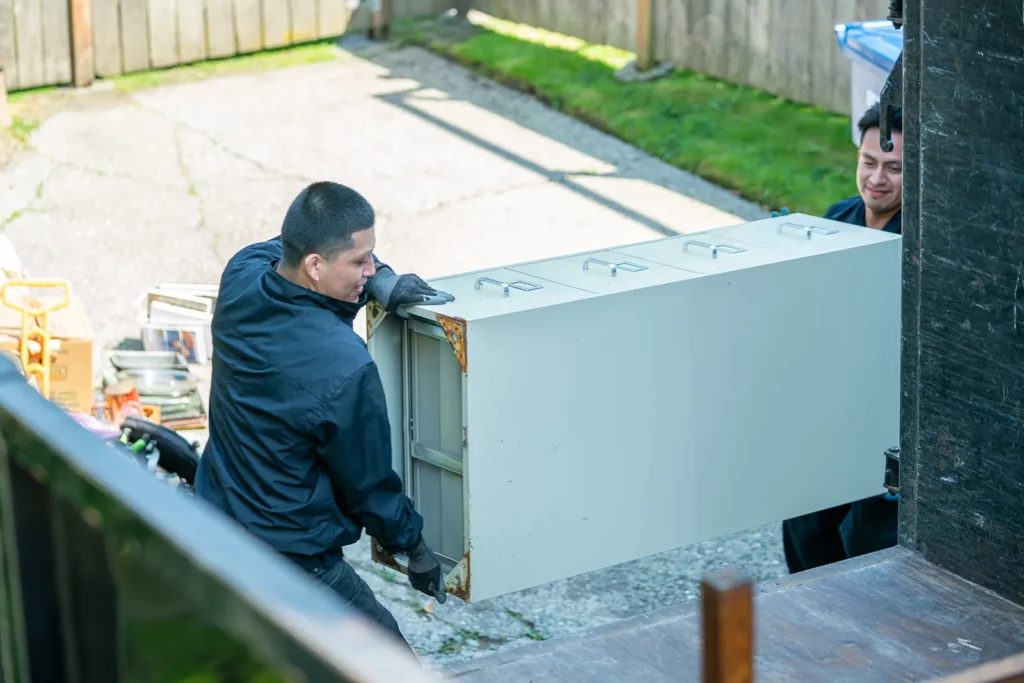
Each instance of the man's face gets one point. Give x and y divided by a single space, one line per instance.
880 174
346 274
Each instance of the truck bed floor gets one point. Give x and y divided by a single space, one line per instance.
883 617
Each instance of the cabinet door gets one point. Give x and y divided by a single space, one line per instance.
603 272
702 252
435 452
801 234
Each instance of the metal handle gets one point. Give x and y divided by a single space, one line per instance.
614 267
521 285
705 245
714 248
809 229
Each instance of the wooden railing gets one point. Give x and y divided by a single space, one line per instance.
108 574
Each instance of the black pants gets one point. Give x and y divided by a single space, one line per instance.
839 533
338 575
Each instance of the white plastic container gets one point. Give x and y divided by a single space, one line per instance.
872 48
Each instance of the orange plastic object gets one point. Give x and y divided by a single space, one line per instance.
31 330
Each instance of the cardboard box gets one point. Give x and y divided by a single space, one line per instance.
71 369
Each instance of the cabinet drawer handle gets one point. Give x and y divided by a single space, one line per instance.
614 267
715 249
809 230
521 285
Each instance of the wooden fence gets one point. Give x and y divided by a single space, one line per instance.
786 47
113 37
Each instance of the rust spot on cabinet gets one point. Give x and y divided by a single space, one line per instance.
375 313
455 331
458 581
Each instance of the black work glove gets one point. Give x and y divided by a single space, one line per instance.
425 572
394 291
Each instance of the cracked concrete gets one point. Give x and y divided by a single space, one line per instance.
167 184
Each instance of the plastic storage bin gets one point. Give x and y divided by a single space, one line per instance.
872 48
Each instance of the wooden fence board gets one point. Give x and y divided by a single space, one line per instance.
792 26
595 13
277 24
249 25
7 45
220 28
823 67
191 31
545 15
779 77
699 20
28 32
620 24
163 33
56 36
106 32
759 37
737 61
134 35
661 32
839 94
303 21
333 18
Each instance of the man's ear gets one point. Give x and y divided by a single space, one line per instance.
312 264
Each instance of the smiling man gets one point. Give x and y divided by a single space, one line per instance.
299 452
879 177
864 526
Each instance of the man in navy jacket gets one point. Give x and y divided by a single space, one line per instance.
299 451
864 526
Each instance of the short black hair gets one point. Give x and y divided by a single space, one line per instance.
321 220
873 119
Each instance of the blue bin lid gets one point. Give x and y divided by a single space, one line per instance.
875 42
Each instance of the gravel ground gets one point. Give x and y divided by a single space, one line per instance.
166 184
457 631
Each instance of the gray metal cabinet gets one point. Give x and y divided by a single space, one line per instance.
577 412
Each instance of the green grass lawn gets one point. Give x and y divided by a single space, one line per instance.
766 149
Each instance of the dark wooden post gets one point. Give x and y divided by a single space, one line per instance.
727 610
83 63
644 25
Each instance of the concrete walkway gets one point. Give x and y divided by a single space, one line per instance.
166 184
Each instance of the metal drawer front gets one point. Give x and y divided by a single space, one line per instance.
704 252
803 234
603 272
501 291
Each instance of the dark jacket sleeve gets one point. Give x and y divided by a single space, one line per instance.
379 265
356 444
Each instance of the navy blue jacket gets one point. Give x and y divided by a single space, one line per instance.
852 211
299 451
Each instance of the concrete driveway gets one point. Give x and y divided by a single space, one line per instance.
118 194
